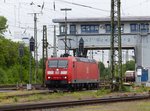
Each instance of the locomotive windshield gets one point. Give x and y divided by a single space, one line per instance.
58 63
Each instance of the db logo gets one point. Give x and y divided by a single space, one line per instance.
57 71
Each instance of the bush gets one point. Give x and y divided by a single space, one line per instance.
102 92
141 89
126 88
40 76
15 99
13 74
3 76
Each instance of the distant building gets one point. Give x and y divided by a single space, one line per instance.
96 35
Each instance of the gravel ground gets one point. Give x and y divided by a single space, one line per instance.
119 106
143 105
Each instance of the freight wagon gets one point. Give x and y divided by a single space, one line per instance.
71 73
130 76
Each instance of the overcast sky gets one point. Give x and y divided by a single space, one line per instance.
17 11
20 20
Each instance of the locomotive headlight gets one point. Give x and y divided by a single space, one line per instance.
63 72
50 72
65 77
49 77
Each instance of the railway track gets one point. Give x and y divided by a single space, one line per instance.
25 95
21 107
23 86
42 92
102 83
8 87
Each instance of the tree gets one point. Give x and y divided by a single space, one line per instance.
104 72
41 63
130 65
10 62
10 71
3 76
102 66
3 24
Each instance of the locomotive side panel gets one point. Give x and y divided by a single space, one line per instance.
85 72
70 70
82 72
94 72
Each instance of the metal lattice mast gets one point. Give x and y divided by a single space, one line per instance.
66 9
36 48
120 45
55 47
116 51
45 54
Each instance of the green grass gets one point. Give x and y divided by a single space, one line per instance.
102 92
50 97
136 89
63 96
15 99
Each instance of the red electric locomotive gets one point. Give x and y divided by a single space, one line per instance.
72 73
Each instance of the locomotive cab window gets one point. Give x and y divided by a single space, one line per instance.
62 63
52 63
58 63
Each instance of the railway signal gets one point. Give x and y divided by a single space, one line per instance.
31 48
21 51
81 48
32 44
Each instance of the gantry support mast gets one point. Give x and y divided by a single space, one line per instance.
116 48
45 54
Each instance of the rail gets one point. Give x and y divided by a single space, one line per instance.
25 95
18 86
71 103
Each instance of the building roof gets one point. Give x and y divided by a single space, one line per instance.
103 19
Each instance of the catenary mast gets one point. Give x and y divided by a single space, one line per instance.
116 50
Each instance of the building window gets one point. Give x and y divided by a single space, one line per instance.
72 29
134 27
89 28
144 27
108 28
62 29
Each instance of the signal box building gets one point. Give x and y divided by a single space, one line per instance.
95 33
